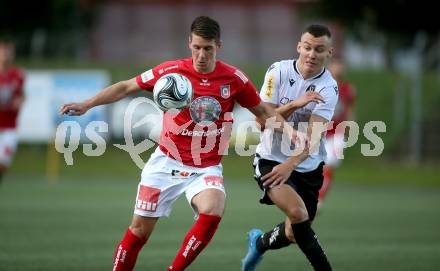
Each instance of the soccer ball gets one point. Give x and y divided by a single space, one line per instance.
172 90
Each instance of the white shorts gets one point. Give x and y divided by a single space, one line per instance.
165 179
8 145
334 146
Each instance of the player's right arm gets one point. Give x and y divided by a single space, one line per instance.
108 95
308 97
270 94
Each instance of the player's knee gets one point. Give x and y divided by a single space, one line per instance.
138 230
215 209
209 202
141 228
297 214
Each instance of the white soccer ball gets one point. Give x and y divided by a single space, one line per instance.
172 90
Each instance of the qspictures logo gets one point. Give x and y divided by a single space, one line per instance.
68 133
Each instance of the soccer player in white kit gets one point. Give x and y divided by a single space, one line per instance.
191 144
302 91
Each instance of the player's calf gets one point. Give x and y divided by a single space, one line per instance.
308 243
195 241
135 238
127 251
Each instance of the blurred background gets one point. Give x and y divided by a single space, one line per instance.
381 213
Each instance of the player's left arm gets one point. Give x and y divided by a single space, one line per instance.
264 111
286 110
249 99
308 97
316 129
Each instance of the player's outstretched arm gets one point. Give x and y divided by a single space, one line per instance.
262 112
267 117
108 95
308 97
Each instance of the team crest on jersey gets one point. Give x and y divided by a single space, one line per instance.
204 110
311 88
225 91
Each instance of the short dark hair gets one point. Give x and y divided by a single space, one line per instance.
206 28
318 30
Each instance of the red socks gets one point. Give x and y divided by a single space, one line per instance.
127 252
328 176
195 241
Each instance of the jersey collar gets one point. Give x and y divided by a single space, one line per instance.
297 71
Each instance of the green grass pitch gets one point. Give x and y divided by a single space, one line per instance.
76 223
380 214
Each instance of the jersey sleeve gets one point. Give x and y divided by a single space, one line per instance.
147 79
271 85
247 96
327 109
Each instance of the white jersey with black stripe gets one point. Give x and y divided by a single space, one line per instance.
284 83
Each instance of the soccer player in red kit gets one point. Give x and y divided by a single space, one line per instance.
335 139
191 144
11 99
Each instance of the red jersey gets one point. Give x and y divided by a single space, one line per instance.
347 96
11 86
199 134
